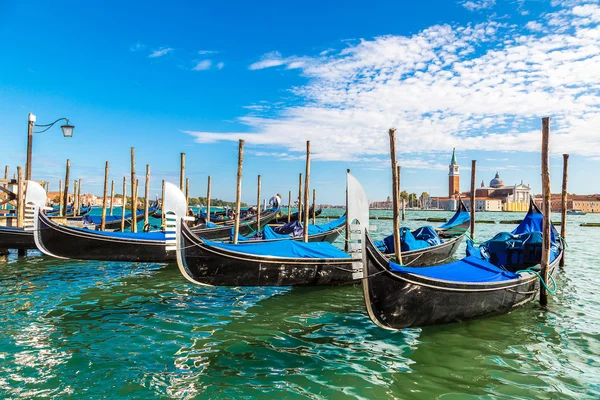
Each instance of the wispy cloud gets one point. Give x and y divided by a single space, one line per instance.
220 65
475 87
205 52
477 5
203 65
160 52
137 47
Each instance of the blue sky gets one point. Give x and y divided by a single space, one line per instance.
168 78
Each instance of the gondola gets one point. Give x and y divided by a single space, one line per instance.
297 216
399 297
113 222
54 212
16 238
295 231
223 232
86 244
458 224
423 246
279 263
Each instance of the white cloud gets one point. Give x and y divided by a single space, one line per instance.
220 65
475 87
203 65
160 52
204 52
534 26
137 47
476 5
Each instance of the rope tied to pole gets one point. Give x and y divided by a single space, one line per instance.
554 286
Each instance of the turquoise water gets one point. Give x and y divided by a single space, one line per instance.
115 330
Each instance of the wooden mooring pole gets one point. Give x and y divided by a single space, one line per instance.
112 196
5 185
104 198
123 206
563 211
75 198
146 196
238 191
306 192
182 171
314 205
20 197
133 193
289 207
300 197
395 195
473 198
208 201
187 193
66 192
258 205
60 198
79 196
546 209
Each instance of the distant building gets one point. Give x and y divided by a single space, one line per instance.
587 203
495 197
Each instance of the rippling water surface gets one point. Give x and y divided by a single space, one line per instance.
75 329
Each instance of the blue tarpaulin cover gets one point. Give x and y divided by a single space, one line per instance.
457 219
158 236
284 249
469 269
291 230
419 239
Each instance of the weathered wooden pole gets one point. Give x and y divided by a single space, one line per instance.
546 208
133 193
66 192
399 173
473 198
403 209
182 171
395 195
347 226
258 205
134 202
238 191
208 201
76 199
306 191
112 196
187 192
60 198
314 205
79 195
146 196
30 124
162 204
300 198
104 198
563 211
123 206
20 197
289 207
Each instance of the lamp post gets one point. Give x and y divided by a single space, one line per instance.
67 130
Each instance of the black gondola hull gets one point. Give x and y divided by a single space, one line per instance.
66 242
224 232
16 238
396 301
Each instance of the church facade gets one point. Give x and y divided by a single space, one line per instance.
494 197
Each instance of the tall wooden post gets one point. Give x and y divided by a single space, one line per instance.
104 198
162 204
60 198
187 192
66 192
208 201
133 193
76 199
20 197
182 171
563 211
396 194
399 174
403 209
238 191
289 207
300 198
306 191
79 196
123 206
258 205
314 205
112 196
30 124
546 209
473 198
147 196
347 226
135 204
5 185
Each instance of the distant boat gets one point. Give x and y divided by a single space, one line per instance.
576 212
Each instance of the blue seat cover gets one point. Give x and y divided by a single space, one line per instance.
283 249
470 269
457 219
156 236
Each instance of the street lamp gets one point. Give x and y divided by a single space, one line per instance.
67 130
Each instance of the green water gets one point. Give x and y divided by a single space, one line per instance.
71 329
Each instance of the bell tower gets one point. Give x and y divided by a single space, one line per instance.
453 176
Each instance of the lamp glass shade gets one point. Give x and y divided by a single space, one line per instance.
67 130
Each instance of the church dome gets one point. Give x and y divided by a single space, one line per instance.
496 182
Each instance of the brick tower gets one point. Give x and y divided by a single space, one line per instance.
453 176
